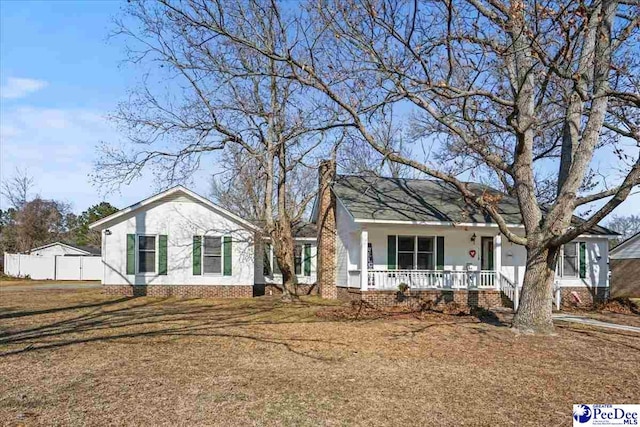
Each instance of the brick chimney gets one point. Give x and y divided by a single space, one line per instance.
326 223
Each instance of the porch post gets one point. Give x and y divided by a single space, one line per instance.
364 257
497 258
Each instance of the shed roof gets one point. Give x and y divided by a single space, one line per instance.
88 250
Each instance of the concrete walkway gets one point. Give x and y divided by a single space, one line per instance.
592 322
57 286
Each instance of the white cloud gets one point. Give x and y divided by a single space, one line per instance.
58 148
20 87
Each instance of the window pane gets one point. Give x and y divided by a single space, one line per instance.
405 261
425 261
570 249
212 264
147 242
406 243
212 245
297 258
147 262
569 266
425 244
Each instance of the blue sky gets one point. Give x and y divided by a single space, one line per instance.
60 76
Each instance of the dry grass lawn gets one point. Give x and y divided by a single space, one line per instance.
82 358
17 281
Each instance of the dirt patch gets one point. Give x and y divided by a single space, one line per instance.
428 311
76 358
620 306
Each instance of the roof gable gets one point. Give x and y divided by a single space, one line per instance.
172 194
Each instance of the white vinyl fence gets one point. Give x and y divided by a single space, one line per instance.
53 267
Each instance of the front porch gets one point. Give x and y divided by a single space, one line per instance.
430 258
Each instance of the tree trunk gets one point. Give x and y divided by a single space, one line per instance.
536 302
283 244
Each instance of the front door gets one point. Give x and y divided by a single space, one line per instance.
486 253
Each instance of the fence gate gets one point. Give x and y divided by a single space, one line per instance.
56 267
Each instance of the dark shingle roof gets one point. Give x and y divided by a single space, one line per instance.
301 229
306 229
397 199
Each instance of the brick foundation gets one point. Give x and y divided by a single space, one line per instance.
183 291
480 298
348 294
588 296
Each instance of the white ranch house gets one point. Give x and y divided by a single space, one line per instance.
179 243
420 233
367 236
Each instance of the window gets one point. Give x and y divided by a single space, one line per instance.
406 252
270 263
297 259
570 266
146 254
212 255
416 252
425 253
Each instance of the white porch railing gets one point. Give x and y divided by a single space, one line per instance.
511 290
433 279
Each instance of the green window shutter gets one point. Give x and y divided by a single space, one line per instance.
227 256
391 253
583 260
197 255
307 259
162 255
266 260
131 254
440 253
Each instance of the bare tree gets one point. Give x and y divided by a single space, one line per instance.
513 88
39 222
217 96
626 225
239 189
357 157
17 188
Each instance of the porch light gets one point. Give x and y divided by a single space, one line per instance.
473 238
107 232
